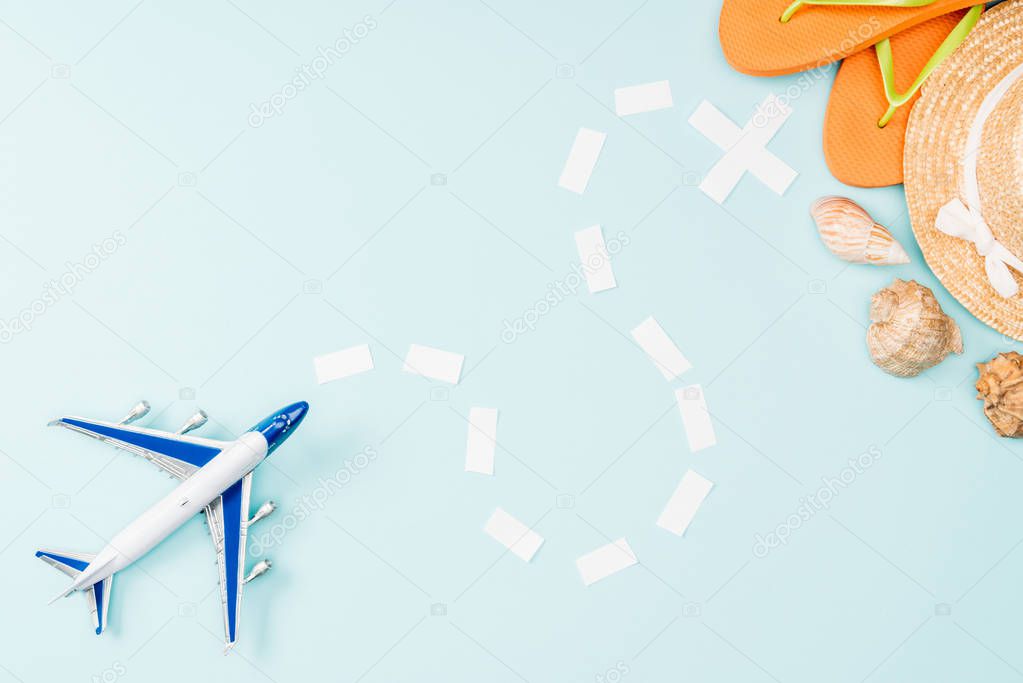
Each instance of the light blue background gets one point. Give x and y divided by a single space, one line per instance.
134 118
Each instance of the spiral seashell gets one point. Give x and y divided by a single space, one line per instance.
909 331
1000 386
852 235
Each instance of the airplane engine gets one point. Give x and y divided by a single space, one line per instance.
197 420
138 411
264 511
261 568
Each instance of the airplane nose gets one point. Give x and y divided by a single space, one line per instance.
296 412
279 426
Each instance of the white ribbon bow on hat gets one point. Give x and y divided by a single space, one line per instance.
966 222
958 220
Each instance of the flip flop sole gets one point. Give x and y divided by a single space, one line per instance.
755 42
857 151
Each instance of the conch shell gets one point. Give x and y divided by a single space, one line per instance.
910 332
1000 386
852 235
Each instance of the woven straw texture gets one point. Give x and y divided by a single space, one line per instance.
938 128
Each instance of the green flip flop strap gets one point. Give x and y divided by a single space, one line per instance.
798 4
947 47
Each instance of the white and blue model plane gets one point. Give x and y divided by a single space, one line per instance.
216 479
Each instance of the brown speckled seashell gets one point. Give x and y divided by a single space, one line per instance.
1000 386
909 331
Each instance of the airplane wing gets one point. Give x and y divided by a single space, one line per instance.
228 520
175 454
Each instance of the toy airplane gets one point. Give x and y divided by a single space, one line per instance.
216 478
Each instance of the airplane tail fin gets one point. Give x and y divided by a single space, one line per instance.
73 564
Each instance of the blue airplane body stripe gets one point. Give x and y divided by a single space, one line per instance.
231 507
191 453
97 590
80 565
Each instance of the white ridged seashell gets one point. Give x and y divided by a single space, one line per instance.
852 235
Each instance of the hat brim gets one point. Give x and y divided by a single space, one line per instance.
935 139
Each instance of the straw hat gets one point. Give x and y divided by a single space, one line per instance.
964 170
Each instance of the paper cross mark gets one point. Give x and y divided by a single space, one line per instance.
745 148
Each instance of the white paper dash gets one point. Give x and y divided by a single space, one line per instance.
652 338
604 561
684 503
513 534
637 99
343 363
695 418
482 441
434 363
581 160
595 260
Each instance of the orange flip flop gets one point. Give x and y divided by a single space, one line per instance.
777 37
874 90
